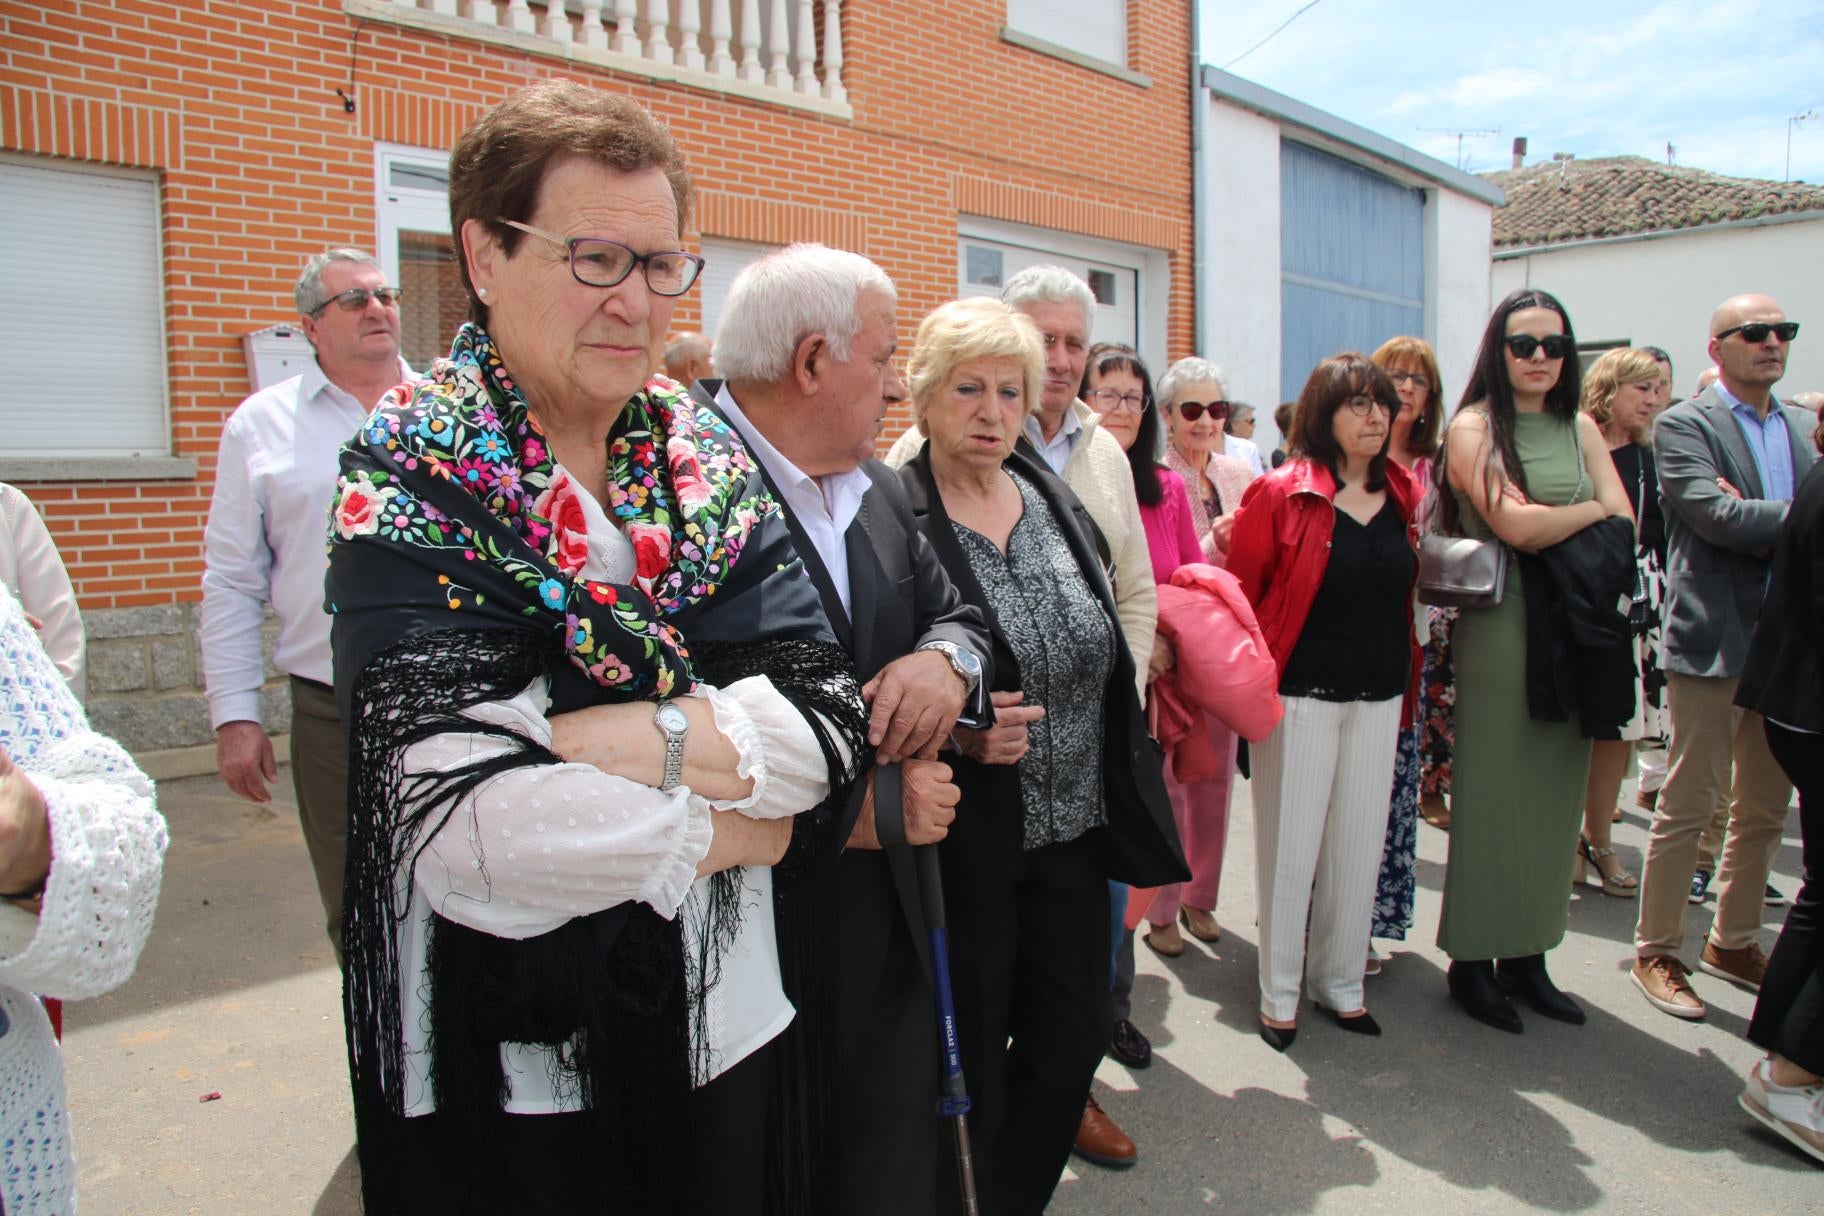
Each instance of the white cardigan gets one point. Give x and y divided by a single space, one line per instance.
108 841
33 571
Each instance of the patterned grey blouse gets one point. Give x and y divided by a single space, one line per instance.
1065 644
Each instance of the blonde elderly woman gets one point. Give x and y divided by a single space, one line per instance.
1194 403
1620 391
1054 796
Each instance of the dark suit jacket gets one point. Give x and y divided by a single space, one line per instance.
1784 677
887 1049
1142 839
1717 546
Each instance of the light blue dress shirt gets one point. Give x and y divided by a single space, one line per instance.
1768 441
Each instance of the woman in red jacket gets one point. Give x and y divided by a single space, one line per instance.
1326 548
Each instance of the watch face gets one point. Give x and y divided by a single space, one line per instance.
970 662
672 719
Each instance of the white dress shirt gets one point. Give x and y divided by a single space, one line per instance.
32 568
823 506
1058 449
265 539
567 840
1243 449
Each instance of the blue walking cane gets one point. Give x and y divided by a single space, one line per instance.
953 1096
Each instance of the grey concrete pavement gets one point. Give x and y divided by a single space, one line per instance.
1634 1112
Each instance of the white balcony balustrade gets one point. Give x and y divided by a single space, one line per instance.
785 51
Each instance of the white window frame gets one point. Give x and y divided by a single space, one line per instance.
154 459
1153 269
406 208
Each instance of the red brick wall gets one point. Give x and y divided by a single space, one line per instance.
234 105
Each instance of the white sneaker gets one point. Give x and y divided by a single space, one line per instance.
1795 1113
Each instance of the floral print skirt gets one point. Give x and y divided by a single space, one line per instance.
1438 694
1393 892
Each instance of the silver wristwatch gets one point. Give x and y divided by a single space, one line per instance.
674 725
963 662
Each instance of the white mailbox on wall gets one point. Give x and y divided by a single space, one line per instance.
275 353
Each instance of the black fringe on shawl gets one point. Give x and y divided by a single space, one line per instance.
616 979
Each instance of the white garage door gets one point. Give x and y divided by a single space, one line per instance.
984 266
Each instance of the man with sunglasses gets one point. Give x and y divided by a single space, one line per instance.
1729 460
264 544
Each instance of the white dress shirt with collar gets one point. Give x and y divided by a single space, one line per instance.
1243 449
1058 449
824 506
264 542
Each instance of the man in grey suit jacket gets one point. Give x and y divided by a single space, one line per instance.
1729 460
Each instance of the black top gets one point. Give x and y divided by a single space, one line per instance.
1784 675
1356 643
1640 478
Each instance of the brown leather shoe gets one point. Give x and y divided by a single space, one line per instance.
1165 940
1661 978
1747 966
1101 1142
1201 925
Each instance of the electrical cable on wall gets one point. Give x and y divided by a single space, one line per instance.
1282 25
354 57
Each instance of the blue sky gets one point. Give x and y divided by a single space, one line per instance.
1595 78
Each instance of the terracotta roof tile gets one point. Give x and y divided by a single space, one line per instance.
1613 196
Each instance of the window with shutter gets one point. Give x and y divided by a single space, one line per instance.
722 261
1096 28
84 313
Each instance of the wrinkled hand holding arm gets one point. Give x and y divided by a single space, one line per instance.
538 845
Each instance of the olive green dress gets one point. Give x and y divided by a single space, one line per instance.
1518 785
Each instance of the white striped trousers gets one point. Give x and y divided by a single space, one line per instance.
1321 783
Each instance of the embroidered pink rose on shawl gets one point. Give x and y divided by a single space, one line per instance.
561 503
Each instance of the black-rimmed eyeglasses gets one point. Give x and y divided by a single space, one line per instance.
1418 380
598 262
1362 405
355 299
1108 401
1755 332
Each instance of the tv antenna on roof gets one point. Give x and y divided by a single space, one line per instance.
1461 136
1792 122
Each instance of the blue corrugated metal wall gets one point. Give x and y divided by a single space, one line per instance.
1352 260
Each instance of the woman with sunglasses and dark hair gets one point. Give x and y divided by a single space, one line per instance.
1522 465
1325 547
1195 406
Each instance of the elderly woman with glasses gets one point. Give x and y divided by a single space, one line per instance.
587 700
1064 792
1195 407
1326 548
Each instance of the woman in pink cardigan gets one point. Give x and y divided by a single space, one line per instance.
1177 532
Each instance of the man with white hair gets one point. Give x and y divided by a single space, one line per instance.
805 346
687 357
264 544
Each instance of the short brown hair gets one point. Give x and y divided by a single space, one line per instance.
500 163
1403 352
1333 382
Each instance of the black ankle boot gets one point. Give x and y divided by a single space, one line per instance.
1527 977
1473 986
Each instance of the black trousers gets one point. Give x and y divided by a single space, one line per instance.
1030 942
1789 1016
724 1168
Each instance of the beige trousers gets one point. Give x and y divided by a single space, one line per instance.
319 773
1716 749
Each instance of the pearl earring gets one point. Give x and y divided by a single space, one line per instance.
482 292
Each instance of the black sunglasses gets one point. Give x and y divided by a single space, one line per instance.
1557 346
355 299
1193 410
1755 332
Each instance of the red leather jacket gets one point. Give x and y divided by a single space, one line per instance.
1281 547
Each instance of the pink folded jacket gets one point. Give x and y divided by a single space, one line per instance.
1223 669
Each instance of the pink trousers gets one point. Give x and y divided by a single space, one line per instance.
1202 811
